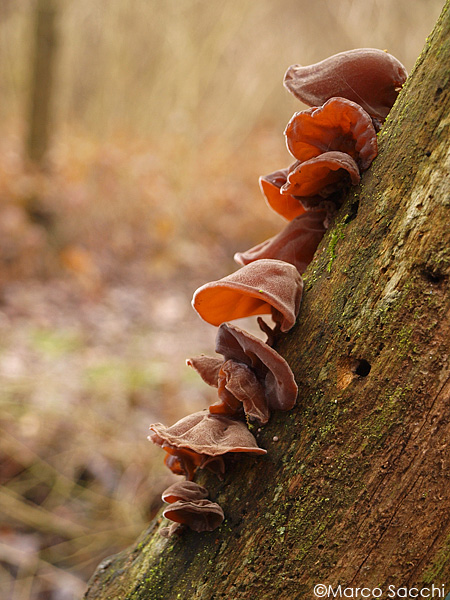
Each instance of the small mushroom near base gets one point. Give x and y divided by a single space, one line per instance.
198 515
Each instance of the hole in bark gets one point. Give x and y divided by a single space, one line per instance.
362 368
439 91
432 275
320 546
352 213
350 369
428 153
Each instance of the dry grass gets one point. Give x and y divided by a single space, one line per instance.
166 114
195 68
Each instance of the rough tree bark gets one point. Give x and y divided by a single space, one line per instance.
356 489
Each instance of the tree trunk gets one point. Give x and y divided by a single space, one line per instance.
41 91
354 489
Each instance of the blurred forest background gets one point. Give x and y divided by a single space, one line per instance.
163 115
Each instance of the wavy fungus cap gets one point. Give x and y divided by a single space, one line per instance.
265 286
184 490
322 175
199 515
200 440
370 77
270 369
295 244
339 125
239 390
286 206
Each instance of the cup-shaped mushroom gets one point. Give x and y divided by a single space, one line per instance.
184 490
270 369
322 175
201 440
339 125
295 244
370 77
199 515
265 286
286 206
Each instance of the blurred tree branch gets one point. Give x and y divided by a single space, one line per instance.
42 80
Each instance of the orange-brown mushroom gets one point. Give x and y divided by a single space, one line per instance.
295 244
370 77
289 207
274 373
339 125
253 376
322 175
265 286
239 388
286 206
201 440
199 515
214 372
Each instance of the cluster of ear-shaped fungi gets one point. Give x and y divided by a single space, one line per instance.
333 142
